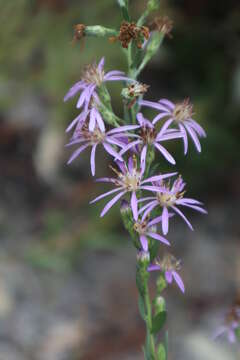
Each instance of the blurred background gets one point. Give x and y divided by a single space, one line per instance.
67 278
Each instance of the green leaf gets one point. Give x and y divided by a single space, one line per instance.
141 307
124 7
158 322
161 353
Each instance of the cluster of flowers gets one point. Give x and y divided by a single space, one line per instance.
135 142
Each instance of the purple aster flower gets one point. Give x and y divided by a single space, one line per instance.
170 197
180 114
150 137
129 179
96 136
170 267
146 228
92 77
232 323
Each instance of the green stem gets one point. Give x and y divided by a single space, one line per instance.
150 337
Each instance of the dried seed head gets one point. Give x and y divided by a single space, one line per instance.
130 31
79 32
183 111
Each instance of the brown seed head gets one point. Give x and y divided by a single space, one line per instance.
162 24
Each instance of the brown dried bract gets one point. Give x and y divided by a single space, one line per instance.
163 25
130 31
79 32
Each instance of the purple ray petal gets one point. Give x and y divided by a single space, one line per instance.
154 268
106 179
143 159
100 121
160 116
111 151
151 206
165 153
92 122
74 89
76 120
105 194
76 141
188 201
158 237
111 203
77 152
93 159
183 216
197 208
165 220
197 128
179 281
144 242
185 139
194 137
123 128
231 336
114 141
119 78
112 73
168 276
101 64
152 104
134 205
164 127
158 177
129 146
143 208
122 166
146 199
159 219
168 103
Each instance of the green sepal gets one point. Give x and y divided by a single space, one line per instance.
158 322
161 284
161 352
108 115
141 307
105 96
142 276
99 31
124 7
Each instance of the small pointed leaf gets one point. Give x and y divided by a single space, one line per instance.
158 322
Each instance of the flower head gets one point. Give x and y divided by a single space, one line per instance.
129 180
97 135
170 266
181 115
146 228
92 77
231 323
170 197
149 136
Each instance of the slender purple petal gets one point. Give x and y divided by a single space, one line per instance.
183 216
197 208
111 151
76 120
168 103
165 220
123 128
154 268
112 73
100 121
168 276
134 205
185 139
158 177
152 104
82 97
106 179
197 128
93 159
231 336
164 127
194 137
74 90
188 201
158 237
111 203
179 281
165 153
77 152
92 122
143 159
101 64
159 117
129 146
144 242
105 194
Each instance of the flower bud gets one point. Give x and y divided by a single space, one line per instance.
159 304
143 257
99 31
